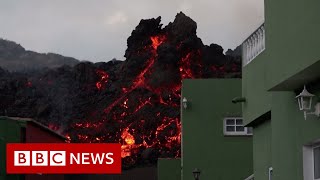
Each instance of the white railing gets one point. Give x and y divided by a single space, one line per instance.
253 45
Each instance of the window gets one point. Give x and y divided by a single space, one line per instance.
234 126
270 173
311 161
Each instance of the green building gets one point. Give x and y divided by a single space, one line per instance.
169 169
214 139
279 59
24 130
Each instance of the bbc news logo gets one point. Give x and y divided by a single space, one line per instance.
59 158
39 158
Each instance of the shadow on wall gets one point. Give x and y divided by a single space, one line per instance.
147 173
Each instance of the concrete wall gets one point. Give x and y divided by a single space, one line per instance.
291 57
292 41
169 169
290 132
262 157
290 60
139 173
204 145
254 88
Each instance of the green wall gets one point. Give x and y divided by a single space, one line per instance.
291 57
169 169
9 133
290 60
290 131
262 150
292 41
254 89
204 145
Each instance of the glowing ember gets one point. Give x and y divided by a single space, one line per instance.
134 102
172 125
157 41
29 84
68 138
103 79
185 70
128 138
138 101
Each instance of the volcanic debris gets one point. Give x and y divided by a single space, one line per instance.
135 102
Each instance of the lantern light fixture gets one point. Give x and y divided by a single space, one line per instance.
305 99
196 173
305 102
185 103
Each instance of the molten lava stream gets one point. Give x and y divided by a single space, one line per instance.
140 79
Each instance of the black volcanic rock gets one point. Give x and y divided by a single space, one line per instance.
14 57
135 102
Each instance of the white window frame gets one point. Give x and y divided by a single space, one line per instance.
270 173
313 147
308 161
235 133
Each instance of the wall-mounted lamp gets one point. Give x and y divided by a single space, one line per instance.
185 103
305 102
196 173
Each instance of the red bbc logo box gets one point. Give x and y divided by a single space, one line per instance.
60 158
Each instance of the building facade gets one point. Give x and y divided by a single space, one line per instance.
279 59
214 139
169 169
22 130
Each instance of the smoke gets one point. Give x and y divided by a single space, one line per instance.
97 30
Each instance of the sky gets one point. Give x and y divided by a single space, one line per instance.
97 30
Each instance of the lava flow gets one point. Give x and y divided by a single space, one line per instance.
135 102
146 112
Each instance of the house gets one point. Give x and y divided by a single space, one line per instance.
214 139
22 130
279 59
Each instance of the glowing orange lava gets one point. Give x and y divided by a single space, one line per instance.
127 137
157 41
103 79
123 107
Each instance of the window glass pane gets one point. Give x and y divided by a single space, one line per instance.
316 156
240 129
239 121
230 128
230 121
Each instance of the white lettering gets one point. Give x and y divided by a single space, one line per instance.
109 158
85 156
22 158
76 159
96 158
57 158
39 158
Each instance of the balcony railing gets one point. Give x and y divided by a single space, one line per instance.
253 45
